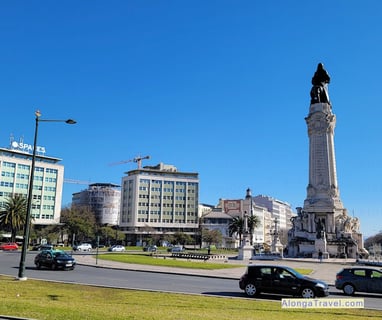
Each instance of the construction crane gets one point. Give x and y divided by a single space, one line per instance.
138 160
76 181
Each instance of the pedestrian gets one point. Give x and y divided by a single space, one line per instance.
320 255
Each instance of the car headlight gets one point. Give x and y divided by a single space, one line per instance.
59 261
320 285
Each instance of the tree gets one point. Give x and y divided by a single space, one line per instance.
236 226
377 238
13 214
80 223
212 237
253 223
110 234
182 238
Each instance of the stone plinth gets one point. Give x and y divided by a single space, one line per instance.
320 245
246 250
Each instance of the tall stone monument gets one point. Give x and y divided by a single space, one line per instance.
323 225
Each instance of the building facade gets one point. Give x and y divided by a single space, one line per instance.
104 199
247 207
280 210
216 219
15 167
158 200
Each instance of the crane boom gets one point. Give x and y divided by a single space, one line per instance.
137 159
76 181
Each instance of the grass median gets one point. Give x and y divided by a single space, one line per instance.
58 301
166 261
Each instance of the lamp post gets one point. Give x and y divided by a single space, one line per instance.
21 275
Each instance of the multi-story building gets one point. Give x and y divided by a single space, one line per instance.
216 219
280 210
247 207
158 200
104 199
15 167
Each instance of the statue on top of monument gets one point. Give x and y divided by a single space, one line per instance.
319 92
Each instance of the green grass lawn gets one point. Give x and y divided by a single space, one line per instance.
57 301
147 259
158 260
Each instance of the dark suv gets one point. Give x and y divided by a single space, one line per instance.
54 259
362 279
281 280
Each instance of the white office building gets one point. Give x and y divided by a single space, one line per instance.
158 200
15 167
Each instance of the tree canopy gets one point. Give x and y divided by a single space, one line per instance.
13 214
79 222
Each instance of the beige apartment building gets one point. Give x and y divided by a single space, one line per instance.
158 200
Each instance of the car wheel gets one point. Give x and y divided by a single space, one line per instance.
348 289
251 290
308 293
38 265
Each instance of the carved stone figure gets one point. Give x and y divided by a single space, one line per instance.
319 228
319 92
355 225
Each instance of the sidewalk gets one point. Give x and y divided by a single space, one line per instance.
325 271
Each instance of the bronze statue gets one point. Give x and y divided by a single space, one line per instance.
320 81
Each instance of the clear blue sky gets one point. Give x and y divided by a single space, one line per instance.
215 87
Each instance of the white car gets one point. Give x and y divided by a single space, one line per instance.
117 248
83 247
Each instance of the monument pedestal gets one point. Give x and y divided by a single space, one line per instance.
320 245
246 250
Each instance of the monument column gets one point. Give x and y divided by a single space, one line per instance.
322 227
322 203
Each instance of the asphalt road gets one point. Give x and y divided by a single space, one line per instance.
143 280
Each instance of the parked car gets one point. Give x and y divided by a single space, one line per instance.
54 259
150 248
361 279
280 280
177 249
83 247
116 248
41 247
9 246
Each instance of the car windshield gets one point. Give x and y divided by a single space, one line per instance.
294 272
61 254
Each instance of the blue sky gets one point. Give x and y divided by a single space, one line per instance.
215 87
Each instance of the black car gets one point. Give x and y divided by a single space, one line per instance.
54 259
362 279
280 280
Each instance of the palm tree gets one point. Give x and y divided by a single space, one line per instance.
236 226
13 214
253 223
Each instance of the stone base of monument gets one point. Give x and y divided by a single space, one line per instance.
320 245
245 252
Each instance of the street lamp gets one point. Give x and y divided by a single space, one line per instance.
30 194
